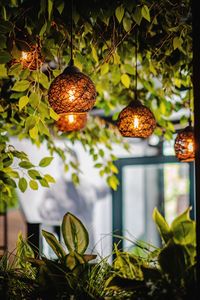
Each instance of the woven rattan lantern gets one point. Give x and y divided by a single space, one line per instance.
72 121
32 59
184 145
72 91
136 120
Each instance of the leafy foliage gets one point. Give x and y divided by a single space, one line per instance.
104 43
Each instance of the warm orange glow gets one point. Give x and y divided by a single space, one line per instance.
136 122
71 119
24 55
190 146
71 94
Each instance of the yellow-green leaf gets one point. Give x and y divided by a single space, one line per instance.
54 115
104 69
23 101
94 54
146 13
125 79
34 132
33 184
21 86
119 13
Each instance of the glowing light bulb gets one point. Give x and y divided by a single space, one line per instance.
136 122
71 95
71 119
24 55
190 147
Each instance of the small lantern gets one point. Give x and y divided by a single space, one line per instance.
72 91
136 120
71 121
184 145
31 59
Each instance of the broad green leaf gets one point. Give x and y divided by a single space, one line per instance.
137 15
22 184
162 225
125 79
75 234
26 164
146 13
34 100
177 42
45 161
21 86
3 71
49 178
43 129
119 13
34 174
127 24
104 69
53 115
23 101
41 78
50 7
43 182
94 54
4 57
54 244
113 182
33 184
43 29
98 165
71 261
33 132
129 69
75 178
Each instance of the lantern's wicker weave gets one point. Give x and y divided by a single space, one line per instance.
182 141
77 122
146 121
72 91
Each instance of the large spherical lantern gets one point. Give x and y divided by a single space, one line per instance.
136 120
71 121
184 145
72 91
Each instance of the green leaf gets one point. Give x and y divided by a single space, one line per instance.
49 178
94 54
34 174
34 132
30 122
54 244
23 101
53 115
177 42
4 57
43 129
104 69
75 178
34 100
125 79
137 15
113 182
22 184
127 24
98 165
33 184
45 161
129 69
43 29
43 182
75 234
50 7
26 164
119 13
3 71
162 225
21 86
146 13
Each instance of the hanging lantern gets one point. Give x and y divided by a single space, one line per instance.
136 120
72 91
184 145
31 59
71 121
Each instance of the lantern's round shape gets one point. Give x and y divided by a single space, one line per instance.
72 91
184 145
31 59
136 120
71 121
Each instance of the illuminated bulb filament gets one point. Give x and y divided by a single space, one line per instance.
190 147
136 122
71 119
71 95
24 55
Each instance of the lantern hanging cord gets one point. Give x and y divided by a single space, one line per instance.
136 56
71 63
190 116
